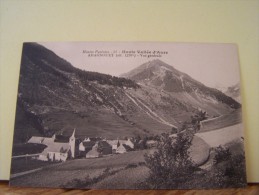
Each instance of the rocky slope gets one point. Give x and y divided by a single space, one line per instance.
183 92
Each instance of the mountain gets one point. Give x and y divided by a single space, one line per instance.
55 97
234 92
178 86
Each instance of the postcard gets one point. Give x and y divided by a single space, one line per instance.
128 115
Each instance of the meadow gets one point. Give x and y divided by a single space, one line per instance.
64 173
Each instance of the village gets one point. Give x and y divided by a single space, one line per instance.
60 148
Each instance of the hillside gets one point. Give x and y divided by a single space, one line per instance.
55 97
183 92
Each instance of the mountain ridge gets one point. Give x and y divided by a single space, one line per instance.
153 73
55 97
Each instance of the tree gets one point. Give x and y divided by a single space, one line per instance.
174 130
198 116
229 168
171 164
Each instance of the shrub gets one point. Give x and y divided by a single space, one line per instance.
171 164
88 181
236 171
141 163
174 130
131 165
221 154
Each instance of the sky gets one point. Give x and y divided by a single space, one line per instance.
213 64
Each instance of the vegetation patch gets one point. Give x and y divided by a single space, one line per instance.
171 164
88 181
221 154
26 164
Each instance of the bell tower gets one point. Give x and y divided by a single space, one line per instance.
72 143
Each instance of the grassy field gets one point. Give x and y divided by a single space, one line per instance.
22 164
124 170
115 160
128 178
93 124
230 119
64 173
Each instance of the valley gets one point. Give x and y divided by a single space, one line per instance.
55 97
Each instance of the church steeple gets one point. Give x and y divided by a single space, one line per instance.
72 143
73 134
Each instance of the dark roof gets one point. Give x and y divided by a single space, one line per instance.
127 147
88 144
62 139
28 148
104 144
95 138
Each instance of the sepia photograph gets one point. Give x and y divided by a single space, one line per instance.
128 115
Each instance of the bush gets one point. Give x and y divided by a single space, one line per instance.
141 163
171 164
88 181
236 171
131 165
174 130
221 154
228 170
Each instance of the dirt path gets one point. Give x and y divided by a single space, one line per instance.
24 173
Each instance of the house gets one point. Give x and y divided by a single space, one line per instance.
85 146
116 143
123 148
59 147
129 143
93 149
93 153
28 149
104 147
56 152
36 140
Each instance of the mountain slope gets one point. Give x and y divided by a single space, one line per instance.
55 97
182 91
61 97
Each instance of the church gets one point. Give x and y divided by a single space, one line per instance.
59 148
